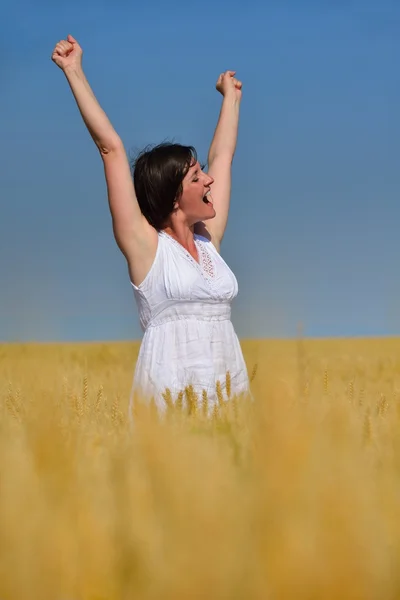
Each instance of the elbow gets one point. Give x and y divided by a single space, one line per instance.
112 146
221 156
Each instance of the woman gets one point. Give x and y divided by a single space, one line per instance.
169 228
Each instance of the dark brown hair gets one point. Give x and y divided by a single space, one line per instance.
158 173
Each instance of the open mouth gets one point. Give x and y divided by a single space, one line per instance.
207 198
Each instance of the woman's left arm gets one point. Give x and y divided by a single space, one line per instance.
222 151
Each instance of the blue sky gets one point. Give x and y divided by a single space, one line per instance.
313 234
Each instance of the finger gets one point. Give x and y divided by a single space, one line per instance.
57 59
59 48
71 39
230 73
63 48
67 46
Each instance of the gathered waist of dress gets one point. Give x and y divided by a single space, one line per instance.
197 311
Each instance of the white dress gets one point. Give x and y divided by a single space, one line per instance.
185 311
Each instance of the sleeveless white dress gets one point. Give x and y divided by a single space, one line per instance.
185 312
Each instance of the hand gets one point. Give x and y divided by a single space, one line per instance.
228 84
67 54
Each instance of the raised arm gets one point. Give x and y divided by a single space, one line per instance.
134 236
222 151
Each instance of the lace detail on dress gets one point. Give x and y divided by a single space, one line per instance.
205 264
206 260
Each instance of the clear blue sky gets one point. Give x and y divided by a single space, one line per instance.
313 235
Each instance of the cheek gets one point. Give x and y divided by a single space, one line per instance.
190 198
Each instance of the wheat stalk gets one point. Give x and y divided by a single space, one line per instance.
115 410
167 396
204 403
382 406
191 400
179 402
220 396
326 382
99 398
85 394
11 403
253 372
351 392
228 384
367 430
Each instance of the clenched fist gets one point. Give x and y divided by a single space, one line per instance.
67 54
228 84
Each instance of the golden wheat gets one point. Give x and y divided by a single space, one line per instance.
294 495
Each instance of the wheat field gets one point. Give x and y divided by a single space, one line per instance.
294 495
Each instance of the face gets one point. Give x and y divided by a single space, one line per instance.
196 200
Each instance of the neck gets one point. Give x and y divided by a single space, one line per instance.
182 233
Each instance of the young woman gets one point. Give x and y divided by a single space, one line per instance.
169 221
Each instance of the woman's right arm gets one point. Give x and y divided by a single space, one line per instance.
136 238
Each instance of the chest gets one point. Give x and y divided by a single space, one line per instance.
202 275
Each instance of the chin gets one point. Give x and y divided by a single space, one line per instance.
210 216
212 212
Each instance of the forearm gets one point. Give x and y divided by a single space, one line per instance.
225 136
100 128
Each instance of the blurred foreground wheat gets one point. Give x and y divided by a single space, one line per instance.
294 496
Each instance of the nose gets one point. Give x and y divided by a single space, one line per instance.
209 180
